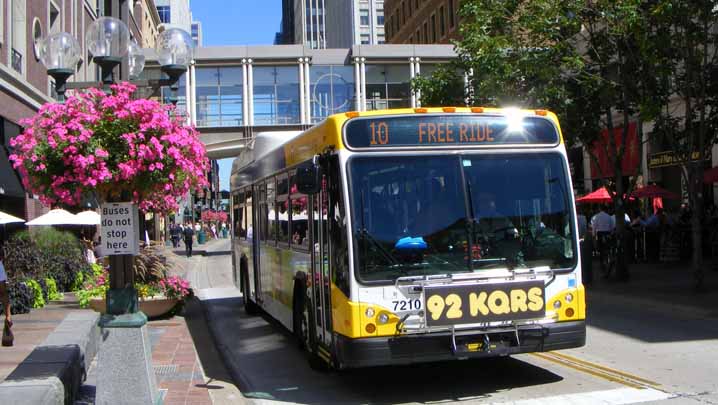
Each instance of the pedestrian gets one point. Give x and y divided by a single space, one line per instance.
214 231
188 234
175 235
602 225
7 337
585 247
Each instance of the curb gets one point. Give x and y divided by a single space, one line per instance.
54 371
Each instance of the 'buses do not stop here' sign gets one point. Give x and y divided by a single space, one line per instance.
119 229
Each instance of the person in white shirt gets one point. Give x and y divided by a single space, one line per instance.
602 225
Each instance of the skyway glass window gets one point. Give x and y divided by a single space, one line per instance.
387 86
422 215
219 96
332 90
276 95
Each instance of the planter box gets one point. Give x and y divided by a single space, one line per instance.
152 307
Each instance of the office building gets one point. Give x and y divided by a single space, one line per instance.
421 22
24 82
196 33
321 24
175 14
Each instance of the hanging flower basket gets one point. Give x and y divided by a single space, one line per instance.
112 147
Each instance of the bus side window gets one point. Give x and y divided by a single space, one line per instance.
249 231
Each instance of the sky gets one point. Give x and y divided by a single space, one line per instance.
236 22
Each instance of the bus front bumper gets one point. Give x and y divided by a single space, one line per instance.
408 349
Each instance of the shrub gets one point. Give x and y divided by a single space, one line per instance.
96 286
37 299
175 287
45 253
52 293
20 298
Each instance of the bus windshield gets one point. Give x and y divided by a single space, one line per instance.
425 215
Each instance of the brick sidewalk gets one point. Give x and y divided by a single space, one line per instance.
176 364
30 330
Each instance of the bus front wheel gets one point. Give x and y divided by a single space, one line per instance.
302 322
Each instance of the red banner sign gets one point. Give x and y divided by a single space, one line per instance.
631 156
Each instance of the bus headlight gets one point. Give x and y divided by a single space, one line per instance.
569 298
383 318
369 312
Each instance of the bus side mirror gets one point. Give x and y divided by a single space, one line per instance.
308 178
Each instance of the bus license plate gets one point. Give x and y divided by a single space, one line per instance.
462 304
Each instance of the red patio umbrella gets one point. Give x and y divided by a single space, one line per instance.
653 191
600 196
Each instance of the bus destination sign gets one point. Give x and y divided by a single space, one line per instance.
448 130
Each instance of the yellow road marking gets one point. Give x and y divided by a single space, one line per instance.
604 368
596 370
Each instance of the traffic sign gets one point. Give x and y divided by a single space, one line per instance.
119 229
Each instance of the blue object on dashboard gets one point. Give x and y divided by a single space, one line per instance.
409 243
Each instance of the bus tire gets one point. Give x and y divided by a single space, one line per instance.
249 307
301 321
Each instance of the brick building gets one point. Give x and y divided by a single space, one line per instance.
24 83
421 21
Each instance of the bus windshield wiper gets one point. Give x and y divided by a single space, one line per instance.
471 220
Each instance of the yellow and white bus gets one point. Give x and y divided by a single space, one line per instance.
412 235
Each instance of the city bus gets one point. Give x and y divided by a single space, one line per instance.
412 235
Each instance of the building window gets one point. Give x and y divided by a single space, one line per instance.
418 36
416 4
55 25
403 13
426 32
332 90
452 16
364 16
365 39
18 35
164 12
380 39
36 37
433 28
442 25
380 17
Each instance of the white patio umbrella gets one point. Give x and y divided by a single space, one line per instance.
6 218
56 217
88 218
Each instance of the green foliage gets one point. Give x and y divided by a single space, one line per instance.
445 87
45 253
52 293
38 301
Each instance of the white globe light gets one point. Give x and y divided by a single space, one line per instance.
136 60
60 51
107 37
174 47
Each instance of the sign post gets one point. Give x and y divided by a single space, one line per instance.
125 360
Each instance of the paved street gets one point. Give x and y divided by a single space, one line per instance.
634 354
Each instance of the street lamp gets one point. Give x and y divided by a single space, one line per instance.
174 53
60 53
107 39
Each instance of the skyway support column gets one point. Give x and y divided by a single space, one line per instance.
362 69
250 83
302 101
357 85
307 91
245 92
412 74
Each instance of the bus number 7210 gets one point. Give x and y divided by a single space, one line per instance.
407 305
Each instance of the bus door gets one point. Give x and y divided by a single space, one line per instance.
321 281
255 239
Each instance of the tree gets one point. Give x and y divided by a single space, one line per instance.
687 69
587 61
